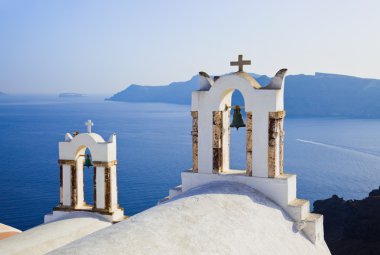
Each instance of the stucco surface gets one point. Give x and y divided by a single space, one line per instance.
217 218
47 237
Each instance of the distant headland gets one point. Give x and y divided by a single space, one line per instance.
319 95
71 95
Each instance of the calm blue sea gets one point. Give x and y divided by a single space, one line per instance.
330 156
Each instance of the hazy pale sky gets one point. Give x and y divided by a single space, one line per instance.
92 46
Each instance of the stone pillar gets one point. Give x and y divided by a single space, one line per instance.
67 187
217 143
274 143
60 185
249 144
194 134
282 136
105 186
74 188
94 186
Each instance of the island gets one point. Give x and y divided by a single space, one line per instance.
71 95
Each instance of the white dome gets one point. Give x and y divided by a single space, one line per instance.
47 237
218 218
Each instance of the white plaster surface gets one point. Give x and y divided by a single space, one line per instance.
117 215
47 237
100 189
114 201
80 183
66 172
280 190
218 218
100 150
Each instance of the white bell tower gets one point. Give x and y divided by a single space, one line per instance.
71 166
264 107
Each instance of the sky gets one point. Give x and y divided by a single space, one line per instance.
82 46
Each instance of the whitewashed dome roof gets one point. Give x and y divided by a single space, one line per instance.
218 218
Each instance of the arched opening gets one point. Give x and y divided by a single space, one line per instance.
88 180
232 138
237 136
85 175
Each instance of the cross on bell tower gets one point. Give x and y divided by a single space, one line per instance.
240 63
89 124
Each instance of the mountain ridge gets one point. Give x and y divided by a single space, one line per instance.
319 95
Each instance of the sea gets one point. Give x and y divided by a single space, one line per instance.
329 155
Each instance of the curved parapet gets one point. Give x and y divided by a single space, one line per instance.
100 149
205 82
278 80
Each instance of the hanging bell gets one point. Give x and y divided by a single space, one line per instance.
88 162
237 120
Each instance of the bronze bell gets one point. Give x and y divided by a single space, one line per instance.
88 162
237 120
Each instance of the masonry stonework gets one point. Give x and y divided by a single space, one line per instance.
217 144
275 143
194 133
74 188
249 144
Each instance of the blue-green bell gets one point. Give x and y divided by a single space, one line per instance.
88 162
237 120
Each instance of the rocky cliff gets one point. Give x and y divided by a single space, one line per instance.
351 227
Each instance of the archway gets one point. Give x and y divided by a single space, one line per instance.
223 153
85 179
88 180
237 140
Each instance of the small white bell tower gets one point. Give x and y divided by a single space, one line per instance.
71 166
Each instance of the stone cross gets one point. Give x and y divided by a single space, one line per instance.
89 124
240 63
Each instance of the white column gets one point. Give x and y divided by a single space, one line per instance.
277 153
114 202
79 179
260 144
226 139
100 188
205 142
66 188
